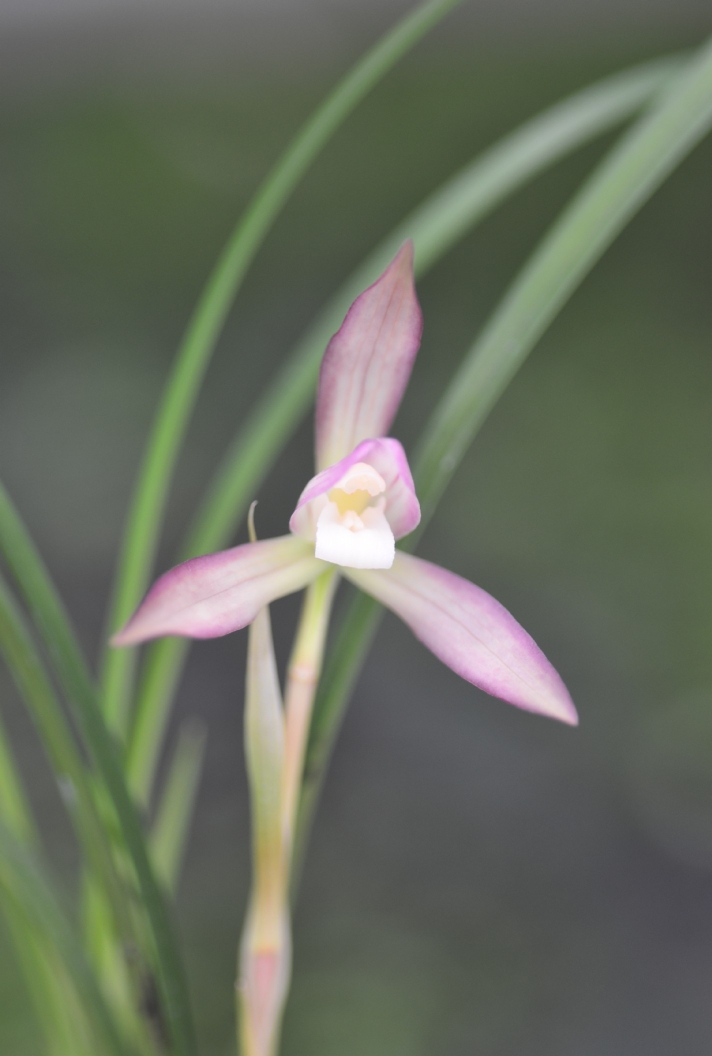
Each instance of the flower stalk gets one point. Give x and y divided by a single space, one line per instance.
303 676
275 743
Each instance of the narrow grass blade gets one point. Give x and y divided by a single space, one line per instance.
15 811
25 887
43 978
57 1008
435 226
143 527
77 791
55 629
107 958
623 182
27 670
175 810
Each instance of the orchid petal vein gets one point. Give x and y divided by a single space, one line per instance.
210 596
471 632
368 362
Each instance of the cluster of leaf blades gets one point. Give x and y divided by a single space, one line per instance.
107 773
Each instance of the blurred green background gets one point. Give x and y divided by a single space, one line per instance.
481 881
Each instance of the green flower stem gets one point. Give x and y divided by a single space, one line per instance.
55 629
623 182
341 671
303 674
440 221
180 394
275 740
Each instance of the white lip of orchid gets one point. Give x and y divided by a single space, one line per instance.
352 530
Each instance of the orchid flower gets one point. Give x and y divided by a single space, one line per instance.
351 514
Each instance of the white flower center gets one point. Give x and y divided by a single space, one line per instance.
352 529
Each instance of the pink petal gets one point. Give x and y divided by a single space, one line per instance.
367 364
470 632
388 458
213 595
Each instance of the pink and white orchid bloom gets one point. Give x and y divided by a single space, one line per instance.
351 514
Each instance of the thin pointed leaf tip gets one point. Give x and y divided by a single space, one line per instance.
351 513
